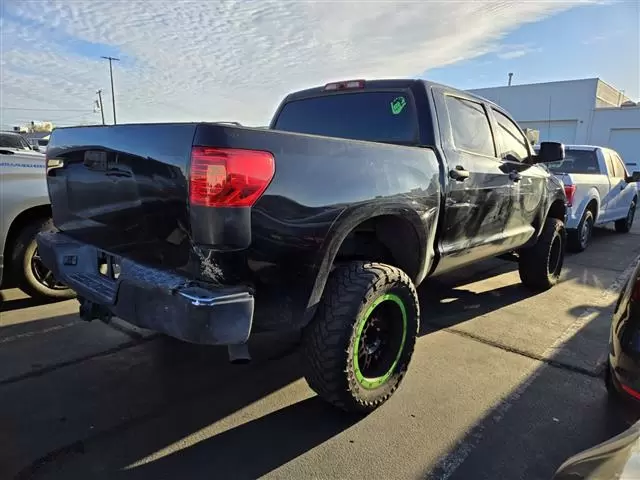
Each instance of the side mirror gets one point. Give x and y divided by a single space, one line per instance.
35 147
634 177
550 152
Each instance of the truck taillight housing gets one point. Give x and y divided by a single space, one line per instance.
569 191
227 177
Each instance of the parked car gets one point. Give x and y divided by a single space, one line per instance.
325 222
617 458
623 366
599 190
14 141
25 211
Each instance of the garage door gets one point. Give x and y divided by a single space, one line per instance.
626 141
563 131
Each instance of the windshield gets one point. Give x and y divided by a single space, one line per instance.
9 140
576 161
373 116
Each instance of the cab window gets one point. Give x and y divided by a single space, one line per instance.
512 142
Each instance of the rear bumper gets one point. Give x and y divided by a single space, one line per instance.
573 218
150 298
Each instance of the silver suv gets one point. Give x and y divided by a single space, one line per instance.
24 211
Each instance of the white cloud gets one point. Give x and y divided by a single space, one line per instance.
233 60
509 52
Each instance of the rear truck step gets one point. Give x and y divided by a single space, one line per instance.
150 298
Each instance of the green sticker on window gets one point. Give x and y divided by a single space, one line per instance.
398 104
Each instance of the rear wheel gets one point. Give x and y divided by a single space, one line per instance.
624 225
540 266
33 277
578 240
359 345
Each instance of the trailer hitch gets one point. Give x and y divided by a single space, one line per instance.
90 311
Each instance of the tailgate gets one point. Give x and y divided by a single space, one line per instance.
120 185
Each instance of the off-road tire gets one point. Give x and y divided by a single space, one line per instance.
534 264
23 251
574 240
329 340
624 224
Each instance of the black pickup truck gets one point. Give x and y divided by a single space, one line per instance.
326 222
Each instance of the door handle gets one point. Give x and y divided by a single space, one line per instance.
515 176
459 174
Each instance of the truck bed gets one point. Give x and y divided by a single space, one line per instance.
126 189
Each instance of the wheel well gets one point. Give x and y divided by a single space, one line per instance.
593 206
558 210
388 239
22 220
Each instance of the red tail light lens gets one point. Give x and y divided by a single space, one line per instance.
570 191
222 177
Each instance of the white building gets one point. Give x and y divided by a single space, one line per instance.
587 112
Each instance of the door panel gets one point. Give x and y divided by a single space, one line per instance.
623 191
477 206
527 183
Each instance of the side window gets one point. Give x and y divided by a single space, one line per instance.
609 162
512 140
470 126
618 166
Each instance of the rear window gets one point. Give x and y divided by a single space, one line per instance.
576 161
373 116
11 140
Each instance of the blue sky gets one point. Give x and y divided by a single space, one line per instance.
590 41
235 60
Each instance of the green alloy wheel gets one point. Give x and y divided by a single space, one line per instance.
359 345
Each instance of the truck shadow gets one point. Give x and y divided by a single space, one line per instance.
563 413
185 432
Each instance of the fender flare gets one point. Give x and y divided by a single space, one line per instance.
424 224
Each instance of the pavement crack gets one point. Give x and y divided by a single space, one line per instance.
75 361
523 353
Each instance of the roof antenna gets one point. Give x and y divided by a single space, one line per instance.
510 77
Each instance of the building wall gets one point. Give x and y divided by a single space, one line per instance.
561 111
618 128
572 112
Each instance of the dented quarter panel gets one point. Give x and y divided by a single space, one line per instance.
322 189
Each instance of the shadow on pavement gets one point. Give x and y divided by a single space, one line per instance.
570 410
7 305
191 393
255 448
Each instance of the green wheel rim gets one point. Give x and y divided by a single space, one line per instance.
371 383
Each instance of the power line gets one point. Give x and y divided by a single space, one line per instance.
113 95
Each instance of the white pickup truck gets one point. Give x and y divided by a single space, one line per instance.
599 190
24 211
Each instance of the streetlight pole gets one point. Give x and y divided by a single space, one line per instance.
113 96
99 92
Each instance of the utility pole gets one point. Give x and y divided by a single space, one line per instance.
99 92
510 77
113 95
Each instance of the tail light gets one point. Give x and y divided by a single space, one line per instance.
569 191
222 177
347 85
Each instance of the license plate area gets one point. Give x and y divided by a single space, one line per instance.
108 266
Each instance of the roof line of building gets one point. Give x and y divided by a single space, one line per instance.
543 83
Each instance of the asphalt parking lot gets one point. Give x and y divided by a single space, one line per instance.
503 384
